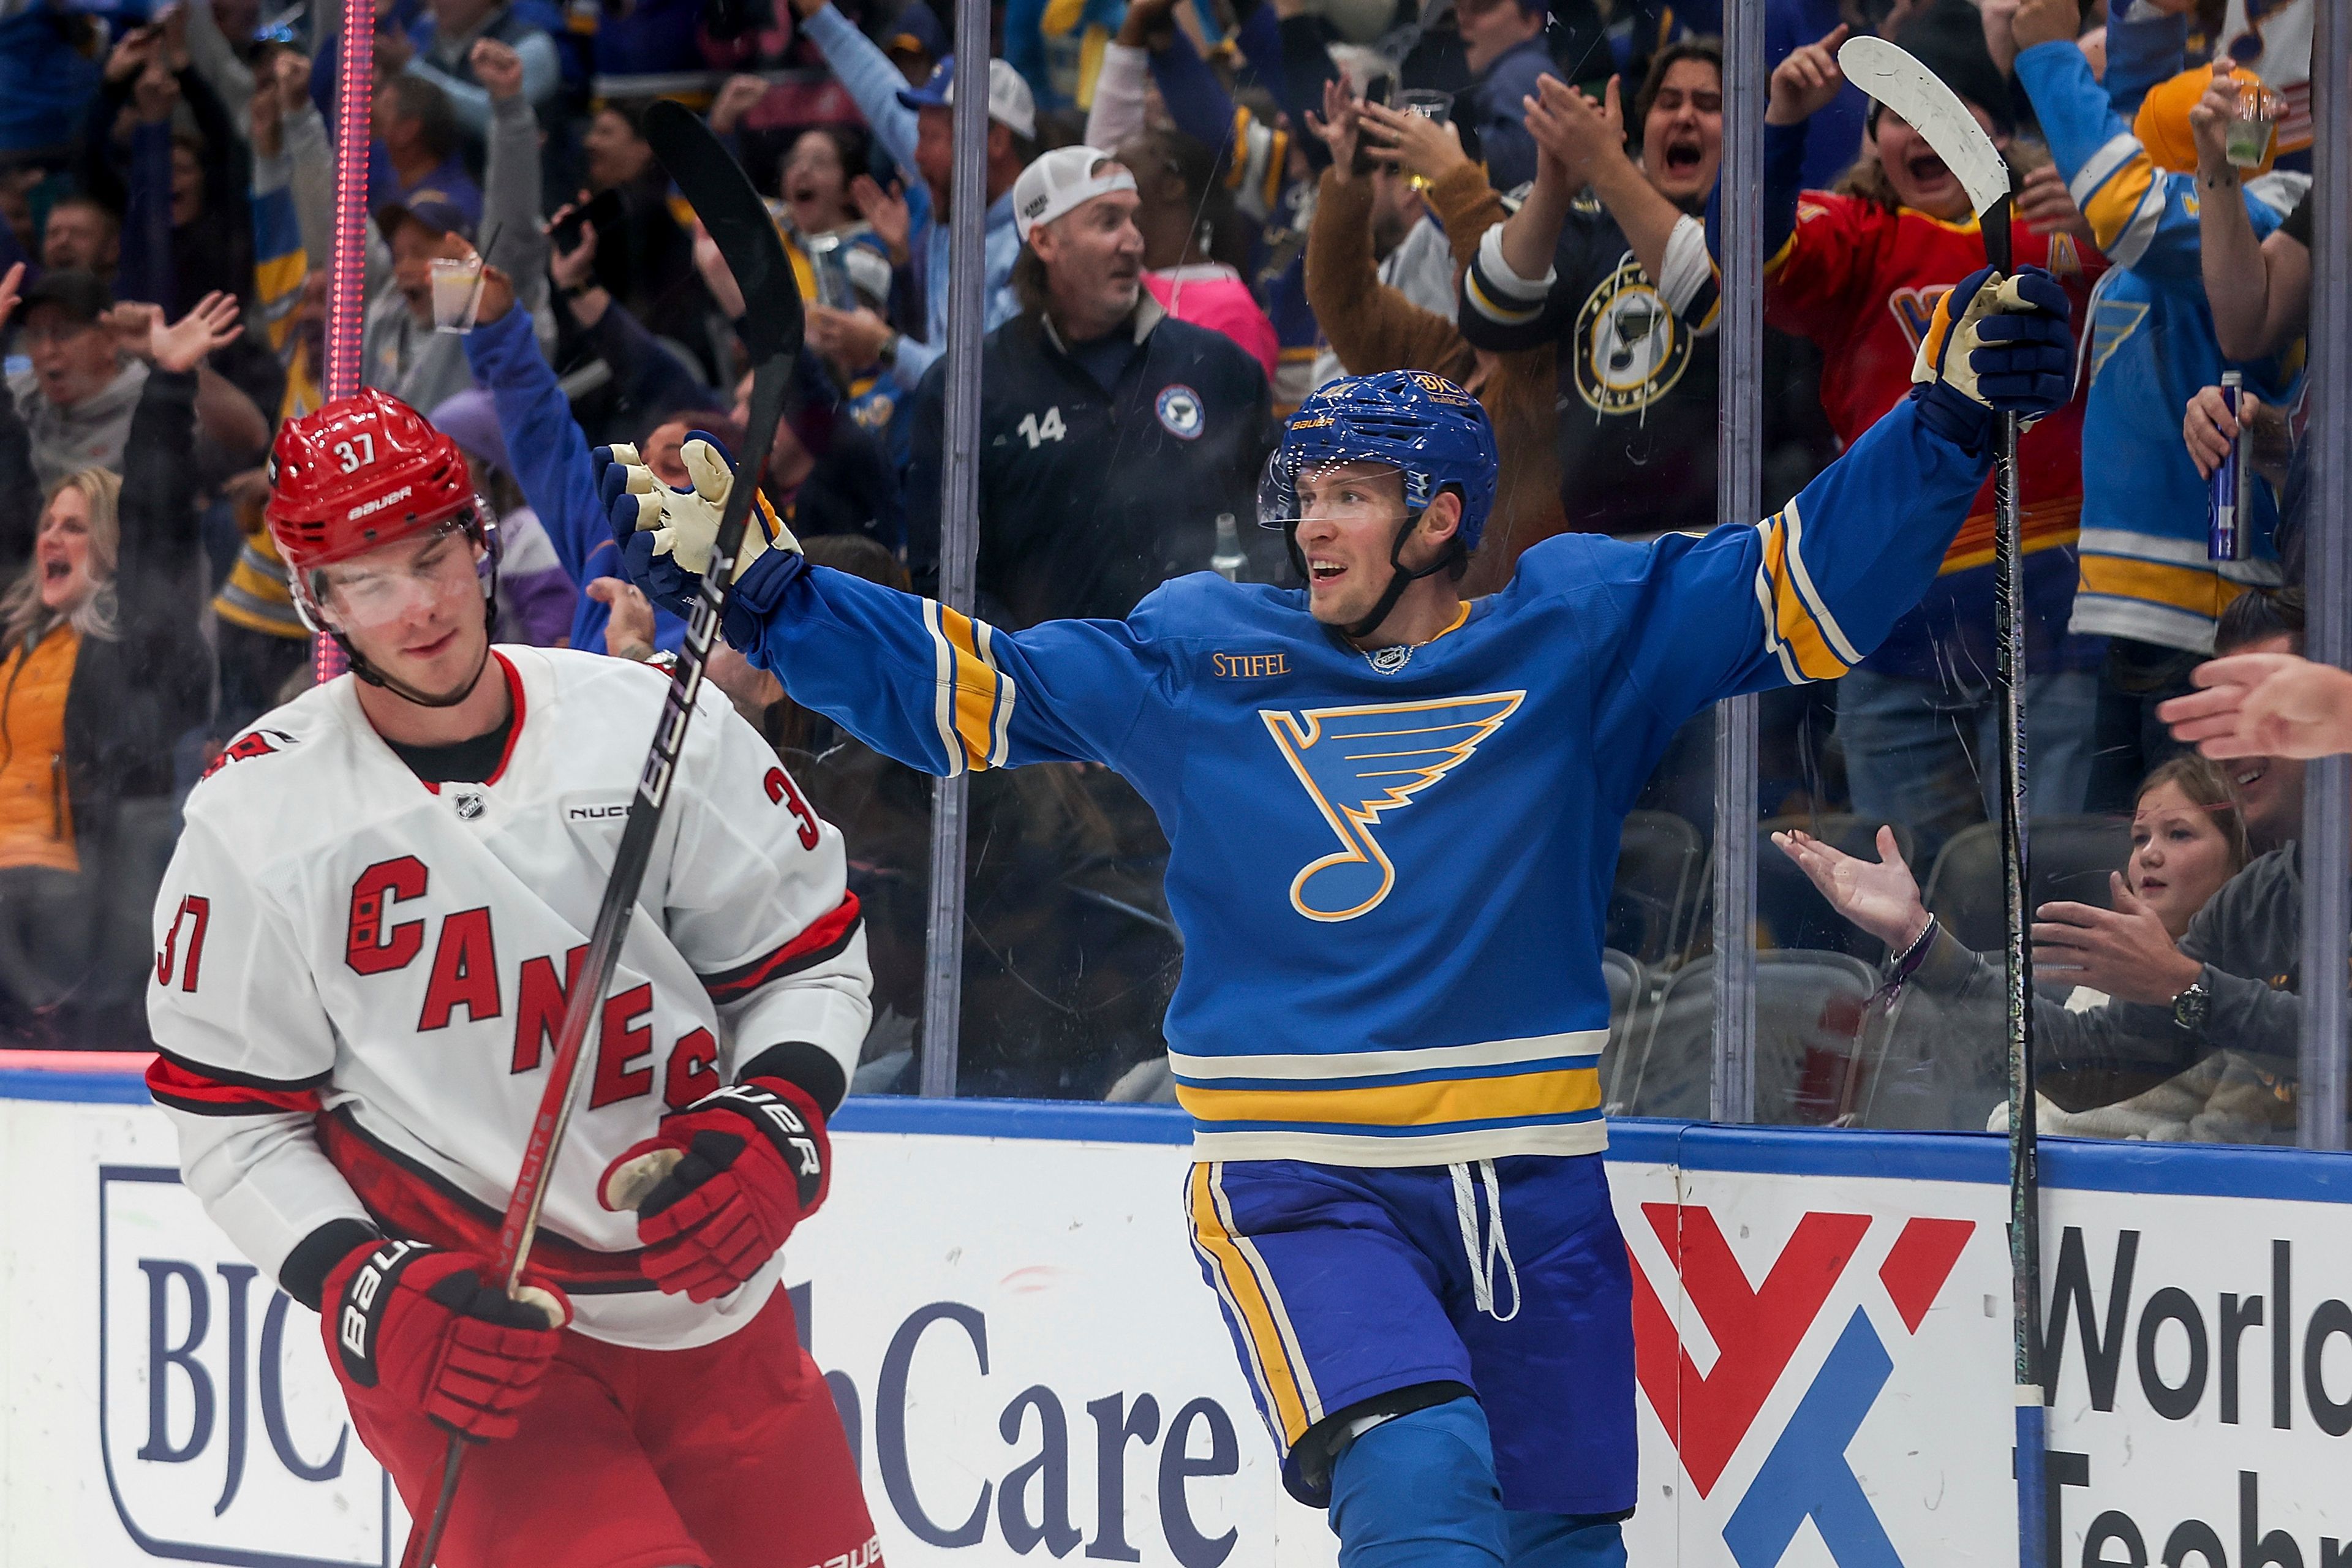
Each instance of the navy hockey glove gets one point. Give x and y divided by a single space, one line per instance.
1995 345
421 1322
666 535
722 1184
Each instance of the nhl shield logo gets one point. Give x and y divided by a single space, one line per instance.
1179 408
466 804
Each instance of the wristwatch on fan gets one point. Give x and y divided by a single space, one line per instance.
2188 1007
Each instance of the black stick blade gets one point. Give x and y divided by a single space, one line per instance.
722 197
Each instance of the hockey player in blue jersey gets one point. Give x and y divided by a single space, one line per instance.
1393 818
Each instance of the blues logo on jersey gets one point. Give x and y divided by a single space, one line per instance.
1360 761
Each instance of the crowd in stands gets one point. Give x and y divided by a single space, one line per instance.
1198 211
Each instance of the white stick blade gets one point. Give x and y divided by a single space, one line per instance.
1898 80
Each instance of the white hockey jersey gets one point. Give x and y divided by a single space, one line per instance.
359 976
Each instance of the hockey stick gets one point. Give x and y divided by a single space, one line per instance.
1936 114
722 197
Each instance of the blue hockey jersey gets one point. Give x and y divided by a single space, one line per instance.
1390 869
2150 344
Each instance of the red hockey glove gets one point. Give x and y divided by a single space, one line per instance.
721 1187
420 1321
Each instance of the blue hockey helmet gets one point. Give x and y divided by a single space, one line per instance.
1431 430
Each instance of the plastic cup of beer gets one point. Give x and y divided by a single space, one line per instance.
2247 137
456 293
1431 105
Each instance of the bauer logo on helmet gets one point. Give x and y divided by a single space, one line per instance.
370 508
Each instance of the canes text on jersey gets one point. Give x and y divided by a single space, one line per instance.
465 973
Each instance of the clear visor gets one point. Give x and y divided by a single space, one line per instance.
408 578
1291 492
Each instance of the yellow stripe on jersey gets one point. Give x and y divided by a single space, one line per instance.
1496 310
804 270
2044 526
975 698
1555 1092
2120 221
1815 604
1250 1294
1092 45
2197 590
1277 164
1789 624
278 283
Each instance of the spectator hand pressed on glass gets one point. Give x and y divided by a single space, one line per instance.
666 535
2125 952
497 67
12 290
1882 897
2265 705
1808 81
1416 144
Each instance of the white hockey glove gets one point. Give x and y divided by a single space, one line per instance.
684 523
2007 349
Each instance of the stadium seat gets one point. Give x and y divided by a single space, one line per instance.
1628 992
1659 887
1815 1028
1939 1065
1148 1082
2069 858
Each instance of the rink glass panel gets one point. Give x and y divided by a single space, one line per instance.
1068 955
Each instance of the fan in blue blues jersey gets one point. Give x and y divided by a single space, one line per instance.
1392 817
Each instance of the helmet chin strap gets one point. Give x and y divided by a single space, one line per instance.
1401 578
362 671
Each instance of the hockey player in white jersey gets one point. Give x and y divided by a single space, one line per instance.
363 948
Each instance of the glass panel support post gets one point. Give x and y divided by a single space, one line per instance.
1739 476
959 528
2327 785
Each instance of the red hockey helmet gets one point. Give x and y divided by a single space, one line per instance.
360 472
